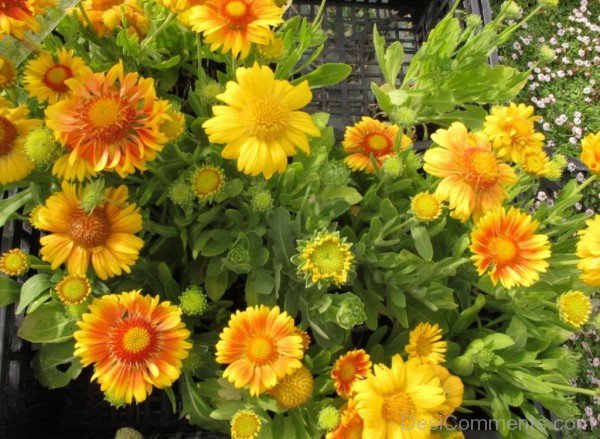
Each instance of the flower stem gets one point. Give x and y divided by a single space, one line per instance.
159 29
85 16
585 184
573 389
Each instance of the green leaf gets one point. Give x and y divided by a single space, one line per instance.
9 290
468 316
194 405
281 233
10 205
47 361
348 194
498 341
326 74
260 282
422 242
50 323
216 285
394 57
32 288
170 286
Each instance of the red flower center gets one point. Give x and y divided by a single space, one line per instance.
90 229
378 144
134 340
237 13
56 76
347 372
108 118
8 135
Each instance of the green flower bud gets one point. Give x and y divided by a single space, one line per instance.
262 200
328 419
351 312
192 362
238 255
546 54
193 301
393 166
181 193
404 116
473 21
93 195
560 160
210 91
511 10
41 148
335 174
484 358
128 433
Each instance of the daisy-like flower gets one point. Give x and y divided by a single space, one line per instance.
370 138
73 289
395 402
14 262
106 15
45 75
261 125
207 181
590 152
351 425
105 236
14 128
473 180
8 73
293 390
111 120
233 25
511 130
78 169
16 18
505 245
574 308
135 342
534 161
245 424
426 344
325 259
426 207
588 251
348 369
454 390
260 346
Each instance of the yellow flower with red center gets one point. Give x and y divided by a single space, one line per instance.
135 342
511 130
351 424
588 251
111 120
426 344
17 17
14 128
79 169
106 15
534 161
590 152
348 369
260 346
45 75
294 389
506 246
394 402
73 289
454 390
574 307
233 25
14 262
261 125
207 181
370 139
426 207
105 236
473 180
8 73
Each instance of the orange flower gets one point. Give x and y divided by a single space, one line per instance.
505 244
135 342
17 17
261 346
351 424
111 120
348 369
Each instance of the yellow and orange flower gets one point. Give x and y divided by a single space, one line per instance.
588 250
534 161
105 237
14 127
426 344
590 152
473 180
351 424
371 138
454 390
511 130
17 17
505 245
106 15
233 25
8 72
111 120
348 369
135 342
45 75
261 346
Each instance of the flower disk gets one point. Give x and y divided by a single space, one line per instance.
426 207
574 308
134 341
294 389
348 369
245 424
588 251
73 289
14 262
207 182
426 344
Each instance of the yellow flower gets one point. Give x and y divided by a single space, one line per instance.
534 161
293 390
511 130
426 207
14 262
233 25
207 181
179 6
371 138
106 15
8 73
73 289
426 344
454 390
135 342
245 424
45 75
271 51
395 402
505 244
261 125
80 169
261 346
34 216
17 17
105 237
348 369
473 180
351 424
588 251
14 128
590 152
574 308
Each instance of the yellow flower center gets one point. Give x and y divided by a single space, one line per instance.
237 14
265 118
347 372
89 230
245 425
56 76
109 118
207 181
502 251
73 290
575 307
328 257
398 407
261 350
136 339
236 8
14 263
378 144
426 207
171 128
295 389
8 135
481 168
133 340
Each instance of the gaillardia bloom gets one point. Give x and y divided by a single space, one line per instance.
134 341
511 130
473 180
111 120
426 344
245 424
426 207
73 289
17 17
14 262
261 346
534 161
396 402
233 25
294 389
324 259
14 127
590 152
588 250
261 125
45 75
348 369
351 424
505 245
105 236
370 138
574 307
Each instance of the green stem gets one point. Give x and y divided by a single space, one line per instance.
510 29
573 389
200 71
548 303
319 16
159 29
585 184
